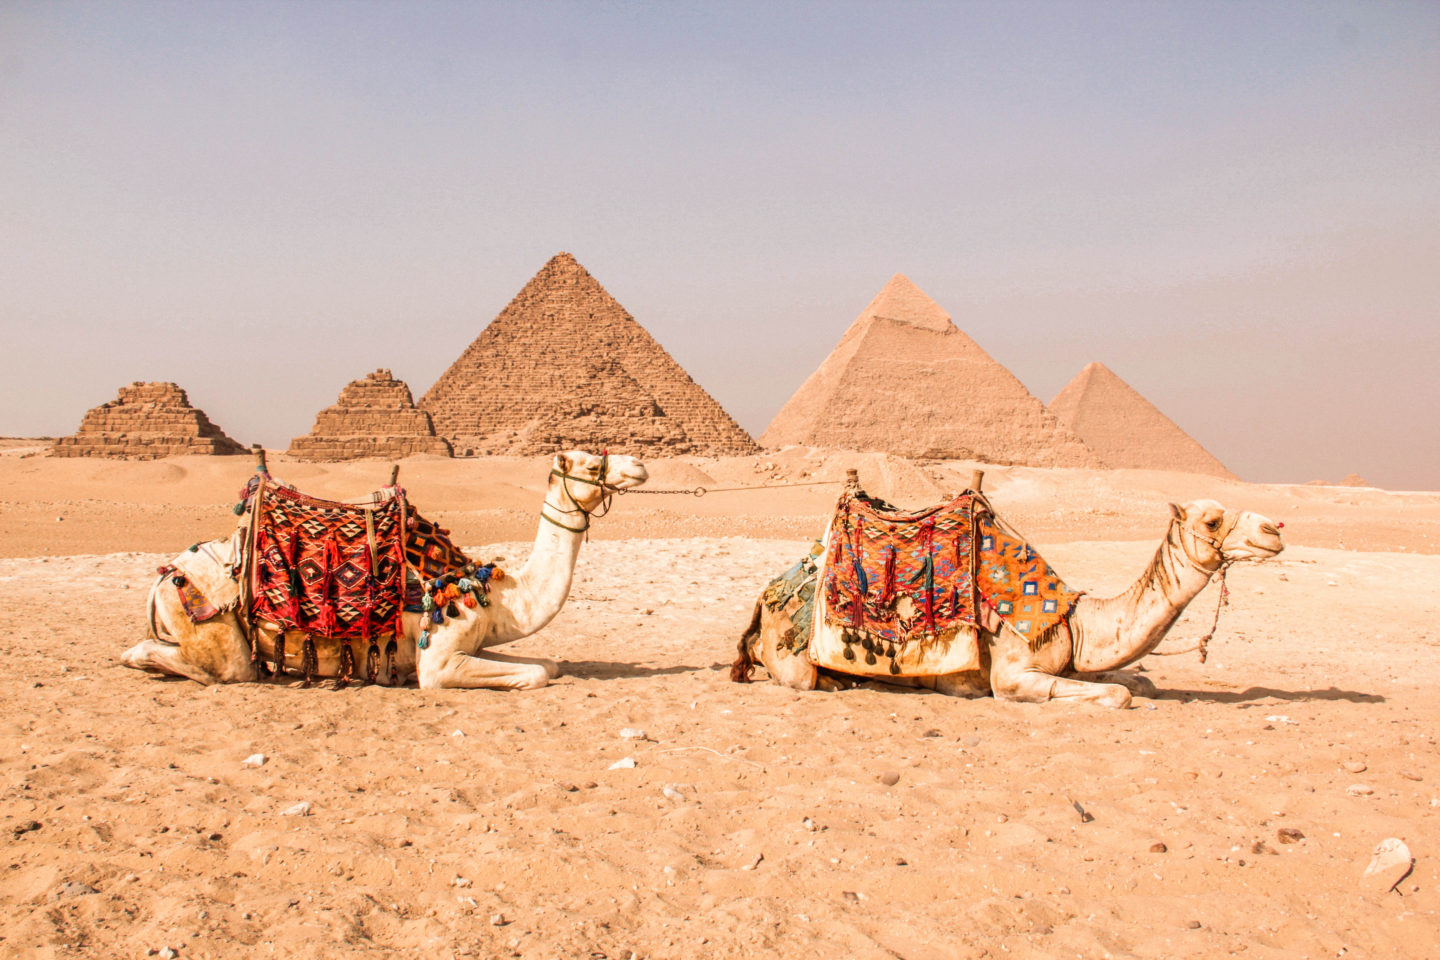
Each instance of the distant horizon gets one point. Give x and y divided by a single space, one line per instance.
1235 208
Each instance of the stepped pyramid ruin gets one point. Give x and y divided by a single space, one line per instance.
374 417
147 421
1126 430
565 366
905 380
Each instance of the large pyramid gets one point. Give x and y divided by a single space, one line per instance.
146 421
565 366
907 381
374 417
1124 429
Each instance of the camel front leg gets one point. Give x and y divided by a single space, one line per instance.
158 656
794 670
1032 685
1138 685
967 683
552 669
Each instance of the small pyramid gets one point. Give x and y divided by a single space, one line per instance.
374 417
146 422
905 380
1126 430
564 365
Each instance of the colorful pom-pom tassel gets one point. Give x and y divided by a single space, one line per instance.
469 600
424 642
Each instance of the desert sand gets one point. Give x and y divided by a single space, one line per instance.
755 821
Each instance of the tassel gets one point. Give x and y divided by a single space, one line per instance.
372 662
280 655
309 660
870 657
347 666
887 588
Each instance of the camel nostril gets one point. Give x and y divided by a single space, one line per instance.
1273 529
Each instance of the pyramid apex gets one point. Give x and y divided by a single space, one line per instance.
901 301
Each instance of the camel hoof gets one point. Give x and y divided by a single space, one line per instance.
1115 697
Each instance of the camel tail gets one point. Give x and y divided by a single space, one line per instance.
744 663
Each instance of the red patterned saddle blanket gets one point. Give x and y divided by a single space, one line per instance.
338 570
894 577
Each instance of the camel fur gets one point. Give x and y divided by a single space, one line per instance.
1101 636
459 653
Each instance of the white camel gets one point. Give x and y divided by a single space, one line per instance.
458 653
1102 636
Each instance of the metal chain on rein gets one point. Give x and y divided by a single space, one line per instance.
701 491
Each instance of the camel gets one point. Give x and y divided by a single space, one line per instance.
456 653
1102 635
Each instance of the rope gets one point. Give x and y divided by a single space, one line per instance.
701 491
1203 644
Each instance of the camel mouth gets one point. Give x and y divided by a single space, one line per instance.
1251 550
630 477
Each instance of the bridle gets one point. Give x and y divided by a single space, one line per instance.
602 508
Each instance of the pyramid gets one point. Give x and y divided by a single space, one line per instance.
565 366
147 421
905 380
374 417
1125 430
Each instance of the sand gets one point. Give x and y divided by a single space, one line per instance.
755 821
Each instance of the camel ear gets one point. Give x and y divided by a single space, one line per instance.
1178 512
562 463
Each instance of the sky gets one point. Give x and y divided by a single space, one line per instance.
1233 206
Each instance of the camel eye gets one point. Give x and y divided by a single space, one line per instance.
1213 524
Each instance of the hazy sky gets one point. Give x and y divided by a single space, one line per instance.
1234 206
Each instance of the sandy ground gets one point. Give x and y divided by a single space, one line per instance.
755 822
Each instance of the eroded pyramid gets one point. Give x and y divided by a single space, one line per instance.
565 366
145 422
905 380
375 416
1126 430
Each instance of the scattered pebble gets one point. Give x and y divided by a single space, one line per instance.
1289 835
625 763
1281 718
1354 766
498 920
1159 848
852 896
808 824
754 863
254 760
1259 847
1390 864
72 889
569 787
971 741
632 733
890 778
301 809
1193 924
1359 790
672 794
1411 775
24 827
457 733
461 882
932 733
168 953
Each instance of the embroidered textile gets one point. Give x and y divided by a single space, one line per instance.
1025 591
429 550
332 570
895 577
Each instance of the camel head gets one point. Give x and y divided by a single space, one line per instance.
588 479
1211 535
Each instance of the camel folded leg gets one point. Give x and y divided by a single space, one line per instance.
157 656
968 683
552 669
462 670
1138 685
1034 686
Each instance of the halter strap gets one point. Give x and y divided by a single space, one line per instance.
575 506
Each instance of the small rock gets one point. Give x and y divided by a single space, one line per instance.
890 778
1354 766
1390 864
254 760
1085 816
569 787
168 953
1359 790
808 824
1411 775
1289 835
457 733
633 733
301 809
971 741
591 784
1259 847
498 920
1159 848
754 863
625 763
1002 818
1193 924
932 733
24 827
672 794
851 895
461 882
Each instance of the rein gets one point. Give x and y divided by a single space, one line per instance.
1203 644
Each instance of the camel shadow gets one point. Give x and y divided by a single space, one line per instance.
614 669
1267 693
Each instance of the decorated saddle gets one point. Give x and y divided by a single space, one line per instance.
903 591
